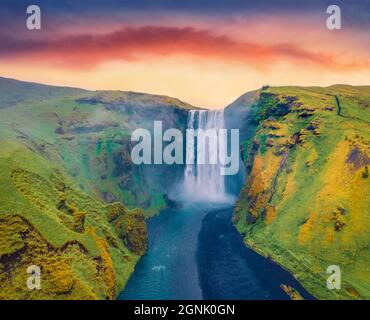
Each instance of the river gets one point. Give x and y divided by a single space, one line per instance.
196 253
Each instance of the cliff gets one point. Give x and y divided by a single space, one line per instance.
71 201
305 200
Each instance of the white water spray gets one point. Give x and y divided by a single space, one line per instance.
204 182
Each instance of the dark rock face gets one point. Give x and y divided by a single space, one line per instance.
281 109
59 130
87 100
108 197
130 226
241 115
122 162
358 158
133 232
91 128
106 132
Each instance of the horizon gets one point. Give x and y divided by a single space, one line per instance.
173 97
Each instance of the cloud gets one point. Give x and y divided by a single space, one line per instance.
85 51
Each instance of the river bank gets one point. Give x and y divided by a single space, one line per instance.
196 253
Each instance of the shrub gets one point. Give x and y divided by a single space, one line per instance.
365 173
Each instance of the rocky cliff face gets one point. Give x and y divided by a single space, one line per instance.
71 200
305 199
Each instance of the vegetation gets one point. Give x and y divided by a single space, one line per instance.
48 221
365 173
305 200
64 165
72 203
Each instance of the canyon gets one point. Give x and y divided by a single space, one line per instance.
73 202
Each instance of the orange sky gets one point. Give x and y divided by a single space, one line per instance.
204 61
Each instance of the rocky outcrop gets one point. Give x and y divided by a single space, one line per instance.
130 226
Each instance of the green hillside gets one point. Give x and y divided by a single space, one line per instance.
69 191
305 202
88 133
81 244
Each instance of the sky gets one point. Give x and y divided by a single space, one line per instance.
206 53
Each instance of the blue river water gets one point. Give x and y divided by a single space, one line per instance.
195 253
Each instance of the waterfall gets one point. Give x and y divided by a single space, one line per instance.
204 182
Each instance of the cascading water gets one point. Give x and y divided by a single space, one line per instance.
204 182
183 260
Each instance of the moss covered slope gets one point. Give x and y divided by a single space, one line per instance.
81 244
306 198
88 133
68 190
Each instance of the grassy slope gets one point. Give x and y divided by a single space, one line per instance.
305 202
63 157
47 220
89 133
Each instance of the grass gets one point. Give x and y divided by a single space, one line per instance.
63 164
317 214
34 190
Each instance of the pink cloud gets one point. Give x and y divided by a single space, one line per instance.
83 51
